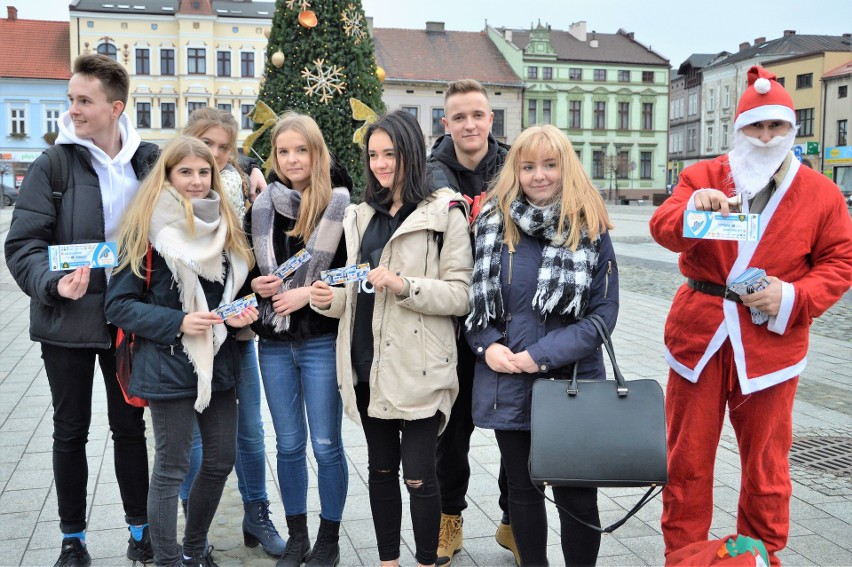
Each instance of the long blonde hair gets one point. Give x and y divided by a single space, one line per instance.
580 202
317 195
136 222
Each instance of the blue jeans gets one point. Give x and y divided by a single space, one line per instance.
173 421
251 457
301 378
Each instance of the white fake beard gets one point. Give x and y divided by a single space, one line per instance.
753 163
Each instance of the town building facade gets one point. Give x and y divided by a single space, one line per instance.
33 90
607 92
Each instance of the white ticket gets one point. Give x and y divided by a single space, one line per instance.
292 264
236 307
713 226
73 256
347 274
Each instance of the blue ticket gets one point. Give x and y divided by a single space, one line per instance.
236 307
292 264
73 256
713 226
347 274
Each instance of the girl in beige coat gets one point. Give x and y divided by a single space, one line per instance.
396 347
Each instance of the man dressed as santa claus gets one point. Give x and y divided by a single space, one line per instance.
719 356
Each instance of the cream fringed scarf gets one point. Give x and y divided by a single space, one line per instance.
188 256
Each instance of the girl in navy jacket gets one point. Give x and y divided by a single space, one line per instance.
543 260
187 362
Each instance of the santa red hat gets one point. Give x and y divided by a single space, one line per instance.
764 99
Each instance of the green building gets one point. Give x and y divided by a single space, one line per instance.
607 92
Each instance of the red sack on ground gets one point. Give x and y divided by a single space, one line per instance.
732 550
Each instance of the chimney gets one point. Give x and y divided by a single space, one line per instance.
578 30
759 40
370 24
435 27
744 45
788 33
13 13
847 36
507 35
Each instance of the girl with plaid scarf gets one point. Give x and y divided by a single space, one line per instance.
543 259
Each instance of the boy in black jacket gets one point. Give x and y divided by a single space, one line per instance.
105 160
466 159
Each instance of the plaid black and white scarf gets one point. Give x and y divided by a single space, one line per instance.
564 279
322 244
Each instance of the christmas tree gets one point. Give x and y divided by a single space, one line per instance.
320 54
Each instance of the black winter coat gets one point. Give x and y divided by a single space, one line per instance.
161 369
35 226
502 401
304 323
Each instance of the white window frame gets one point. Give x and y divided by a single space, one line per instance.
17 115
48 108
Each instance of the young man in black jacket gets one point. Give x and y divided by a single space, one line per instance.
466 159
104 160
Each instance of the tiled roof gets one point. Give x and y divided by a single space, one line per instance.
792 44
611 47
34 49
842 70
221 8
441 56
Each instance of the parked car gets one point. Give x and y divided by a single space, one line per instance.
10 195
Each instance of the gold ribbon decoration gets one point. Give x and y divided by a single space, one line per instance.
265 116
361 111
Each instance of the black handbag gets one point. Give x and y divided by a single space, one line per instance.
599 433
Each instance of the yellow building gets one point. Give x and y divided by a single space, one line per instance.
181 55
801 76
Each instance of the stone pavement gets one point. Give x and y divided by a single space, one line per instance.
821 506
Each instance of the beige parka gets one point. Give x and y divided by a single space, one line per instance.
414 338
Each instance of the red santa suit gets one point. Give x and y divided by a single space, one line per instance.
718 357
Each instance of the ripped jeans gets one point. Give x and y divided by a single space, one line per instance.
413 443
300 381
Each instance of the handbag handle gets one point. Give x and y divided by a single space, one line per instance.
603 331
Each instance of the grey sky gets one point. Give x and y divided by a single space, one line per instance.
673 28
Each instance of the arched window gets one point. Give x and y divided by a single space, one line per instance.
109 50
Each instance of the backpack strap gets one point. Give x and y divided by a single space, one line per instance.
58 174
149 261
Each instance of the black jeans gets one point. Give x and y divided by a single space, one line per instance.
389 442
70 373
452 462
173 422
580 544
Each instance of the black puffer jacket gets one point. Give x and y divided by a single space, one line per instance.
35 226
161 369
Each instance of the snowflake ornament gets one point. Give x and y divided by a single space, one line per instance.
304 5
325 81
353 23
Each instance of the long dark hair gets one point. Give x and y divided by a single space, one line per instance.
407 139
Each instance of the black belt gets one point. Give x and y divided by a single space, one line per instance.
713 289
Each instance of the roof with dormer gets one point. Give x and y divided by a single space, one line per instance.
221 8
620 47
42 49
441 56
787 45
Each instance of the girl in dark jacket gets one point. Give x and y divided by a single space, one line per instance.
187 362
543 260
302 211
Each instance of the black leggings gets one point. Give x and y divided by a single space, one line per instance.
580 545
389 442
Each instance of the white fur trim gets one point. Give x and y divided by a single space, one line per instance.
778 324
692 374
758 383
765 112
762 85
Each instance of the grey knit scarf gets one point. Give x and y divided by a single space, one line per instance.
564 279
322 244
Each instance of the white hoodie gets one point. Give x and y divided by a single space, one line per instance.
115 175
